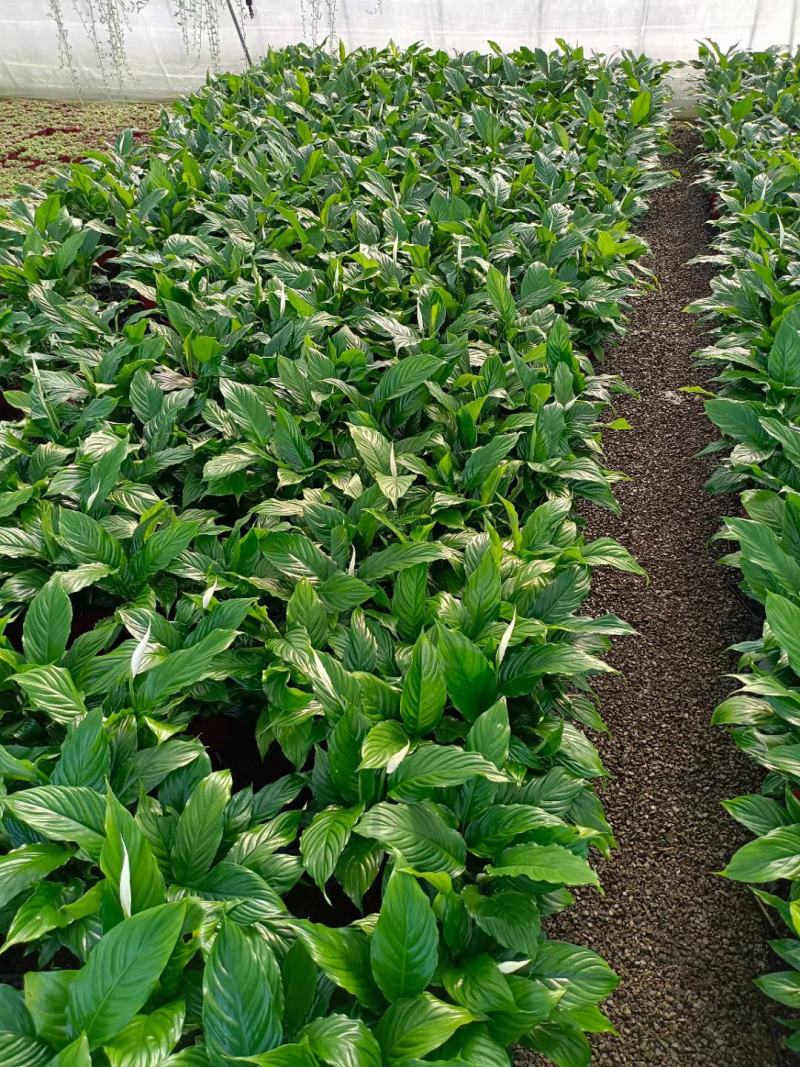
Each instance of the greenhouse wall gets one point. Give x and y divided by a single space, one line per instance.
160 68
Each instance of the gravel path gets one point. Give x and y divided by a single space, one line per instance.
686 943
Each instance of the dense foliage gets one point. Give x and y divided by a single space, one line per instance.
751 122
300 405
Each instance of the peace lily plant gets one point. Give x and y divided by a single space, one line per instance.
301 407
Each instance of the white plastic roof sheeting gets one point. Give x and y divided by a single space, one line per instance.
160 69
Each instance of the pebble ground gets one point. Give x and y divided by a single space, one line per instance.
686 943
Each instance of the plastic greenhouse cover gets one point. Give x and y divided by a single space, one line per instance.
159 67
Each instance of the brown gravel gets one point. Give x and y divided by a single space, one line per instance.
686 943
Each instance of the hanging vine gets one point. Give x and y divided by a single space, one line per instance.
199 23
106 24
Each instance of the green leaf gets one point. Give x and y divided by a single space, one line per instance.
760 545
104 475
198 833
784 620
783 363
738 419
307 610
63 813
85 757
544 863
256 900
25 866
324 840
342 592
295 556
481 601
484 460
183 668
522 668
145 397
510 917
424 692
490 734
299 976
783 986
77 1054
415 1026
607 552
122 971
290 444
147 1040
397 558
150 766
500 296
758 813
126 859
343 955
344 754
469 676
242 995
358 867
19 1044
404 948
408 600
640 107
248 409
497 826
775 855
563 1047
404 376
579 974
372 446
161 549
46 994
479 985
342 1042
47 624
434 767
385 745
418 833
229 462
394 486
51 689
18 770
87 541
292 1055
37 915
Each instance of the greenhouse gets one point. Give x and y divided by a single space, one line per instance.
399 534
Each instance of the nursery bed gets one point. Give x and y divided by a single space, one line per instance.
335 632
686 943
206 340
36 136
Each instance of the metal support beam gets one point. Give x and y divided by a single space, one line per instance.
240 32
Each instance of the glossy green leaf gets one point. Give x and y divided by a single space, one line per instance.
324 840
121 972
199 829
47 624
424 692
418 834
404 947
23 867
416 1026
242 995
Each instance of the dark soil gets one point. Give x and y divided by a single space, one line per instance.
685 942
